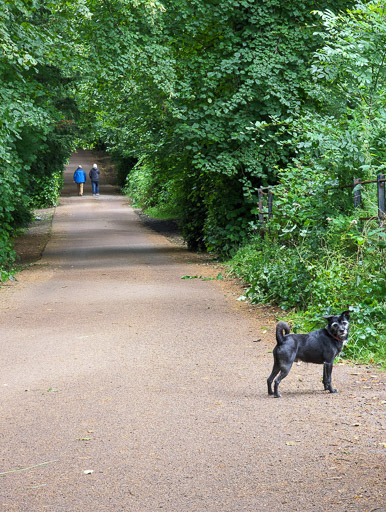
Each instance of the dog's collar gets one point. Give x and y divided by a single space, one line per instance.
337 339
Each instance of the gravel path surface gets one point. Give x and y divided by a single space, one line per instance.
126 388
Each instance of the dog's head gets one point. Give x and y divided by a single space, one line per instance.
338 325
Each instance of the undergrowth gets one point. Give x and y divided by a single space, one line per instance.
346 271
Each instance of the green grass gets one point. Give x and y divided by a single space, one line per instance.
162 212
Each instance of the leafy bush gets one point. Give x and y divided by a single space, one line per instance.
140 186
46 190
14 213
152 190
7 256
318 256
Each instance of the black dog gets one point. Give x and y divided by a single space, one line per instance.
319 347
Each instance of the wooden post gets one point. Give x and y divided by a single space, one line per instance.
381 197
261 214
357 193
270 202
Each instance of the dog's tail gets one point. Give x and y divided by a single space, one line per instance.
281 326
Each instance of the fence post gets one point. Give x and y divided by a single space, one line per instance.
261 214
357 193
270 202
381 197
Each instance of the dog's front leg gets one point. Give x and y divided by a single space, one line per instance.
327 371
325 378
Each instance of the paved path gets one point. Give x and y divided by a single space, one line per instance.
125 388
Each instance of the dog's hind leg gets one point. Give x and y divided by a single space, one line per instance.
284 371
275 371
327 371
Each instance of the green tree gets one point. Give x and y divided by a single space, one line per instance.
35 109
347 131
184 84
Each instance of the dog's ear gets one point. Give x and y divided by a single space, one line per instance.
346 315
328 317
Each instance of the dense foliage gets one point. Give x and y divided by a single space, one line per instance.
200 103
318 255
184 86
35 108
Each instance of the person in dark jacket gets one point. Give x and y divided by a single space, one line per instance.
94 176
79 179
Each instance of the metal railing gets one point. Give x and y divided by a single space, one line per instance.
267 192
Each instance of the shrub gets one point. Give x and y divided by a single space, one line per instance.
46 190
152 190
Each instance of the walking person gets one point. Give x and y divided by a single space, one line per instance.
79 179
94 176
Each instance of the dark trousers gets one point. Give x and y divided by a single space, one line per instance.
95 187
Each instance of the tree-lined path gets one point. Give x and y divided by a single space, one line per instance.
126 388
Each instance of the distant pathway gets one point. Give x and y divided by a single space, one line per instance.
125 388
